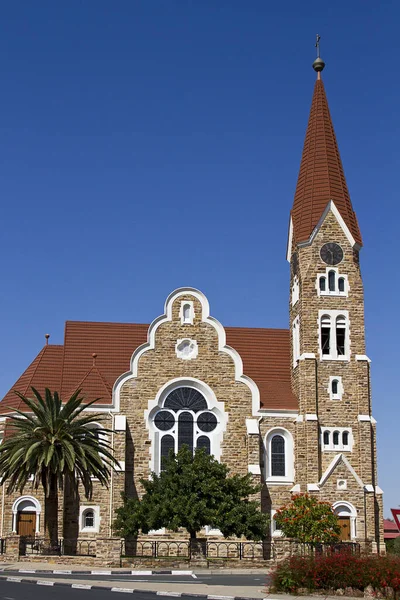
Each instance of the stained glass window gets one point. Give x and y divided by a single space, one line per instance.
278 456
185 430
207 422
185 398
167 444
89 518
204 443
164 420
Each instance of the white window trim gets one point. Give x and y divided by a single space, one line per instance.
333 315
351 512
96 511
37 508
194 349
334 292
295 290
210 531
289 457
274 531
339 447
296 340
339 395
188 321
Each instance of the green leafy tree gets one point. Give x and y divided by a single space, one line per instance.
52 442
308 520
191 492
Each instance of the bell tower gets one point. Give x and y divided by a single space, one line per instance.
335 450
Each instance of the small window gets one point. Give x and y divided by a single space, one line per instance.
88 519
345 438
167 444
322 284
326 335
336 438
278 456
186 313
335 387
341 284
341 336
326 438
331 280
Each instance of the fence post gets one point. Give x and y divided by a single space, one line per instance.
155 548
240 550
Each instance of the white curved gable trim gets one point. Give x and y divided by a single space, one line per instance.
222 347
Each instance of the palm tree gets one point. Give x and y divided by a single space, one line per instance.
55 443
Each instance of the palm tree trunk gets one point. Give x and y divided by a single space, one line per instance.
51 513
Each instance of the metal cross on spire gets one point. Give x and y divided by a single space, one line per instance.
317 45
318 63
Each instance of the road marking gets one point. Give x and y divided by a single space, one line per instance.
181 572
14 579
176 594
62 572
141 572
81 586
220 597
26 571
45 582
100 572
118 589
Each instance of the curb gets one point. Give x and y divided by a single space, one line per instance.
82 586
102 572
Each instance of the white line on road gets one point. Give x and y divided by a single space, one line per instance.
81 586
176 594
118 589
45 582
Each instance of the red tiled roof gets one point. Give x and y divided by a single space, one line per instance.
265 354
390 526
321 176
47 367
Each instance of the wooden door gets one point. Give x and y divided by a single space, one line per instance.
344 523
26 523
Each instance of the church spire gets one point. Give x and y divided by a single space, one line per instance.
321 176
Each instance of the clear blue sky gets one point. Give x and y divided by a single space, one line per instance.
149 144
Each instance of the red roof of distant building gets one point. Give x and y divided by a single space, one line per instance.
265 354
391 530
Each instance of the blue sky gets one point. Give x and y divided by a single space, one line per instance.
150 144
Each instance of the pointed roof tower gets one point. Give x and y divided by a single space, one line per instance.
321 176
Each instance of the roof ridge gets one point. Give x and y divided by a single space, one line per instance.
92 369
39 358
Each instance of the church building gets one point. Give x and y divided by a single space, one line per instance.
290 406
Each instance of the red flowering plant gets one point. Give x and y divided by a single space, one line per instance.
308 520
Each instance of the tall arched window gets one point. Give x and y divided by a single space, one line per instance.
184 419
336 438
326 334
322 284
341 335
279 463
331 280
326 438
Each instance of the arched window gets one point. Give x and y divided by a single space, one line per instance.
345 438
278 456
279 463
341 284
331 281
88 518
186 313
326 438
322 284
336 438
341 335
184 419
326 335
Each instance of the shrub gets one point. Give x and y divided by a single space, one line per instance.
338 571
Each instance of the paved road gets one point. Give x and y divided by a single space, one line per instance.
257 580
29 591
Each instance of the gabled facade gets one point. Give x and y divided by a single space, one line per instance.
292 407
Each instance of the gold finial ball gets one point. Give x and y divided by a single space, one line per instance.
94 355
318 65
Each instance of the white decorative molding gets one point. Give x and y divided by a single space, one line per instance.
296 488
120 423
329 432
252 426
279 413
290 240
340 390
312 487
254 469
186 349
361 357
378 490
299 419
341 484
26 504
331 207
311 417
339 458
295 290
334 316
373 421
369 488
364 418
289 457
326 283
345 509
296 340
307 355
120 467
222 347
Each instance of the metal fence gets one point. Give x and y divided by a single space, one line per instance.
184 549
351 548
63 547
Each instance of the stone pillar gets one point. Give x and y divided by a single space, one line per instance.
12 547
198 551
109 551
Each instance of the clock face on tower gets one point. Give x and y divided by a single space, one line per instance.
331 253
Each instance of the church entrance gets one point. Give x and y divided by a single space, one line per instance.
344 523
26 523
